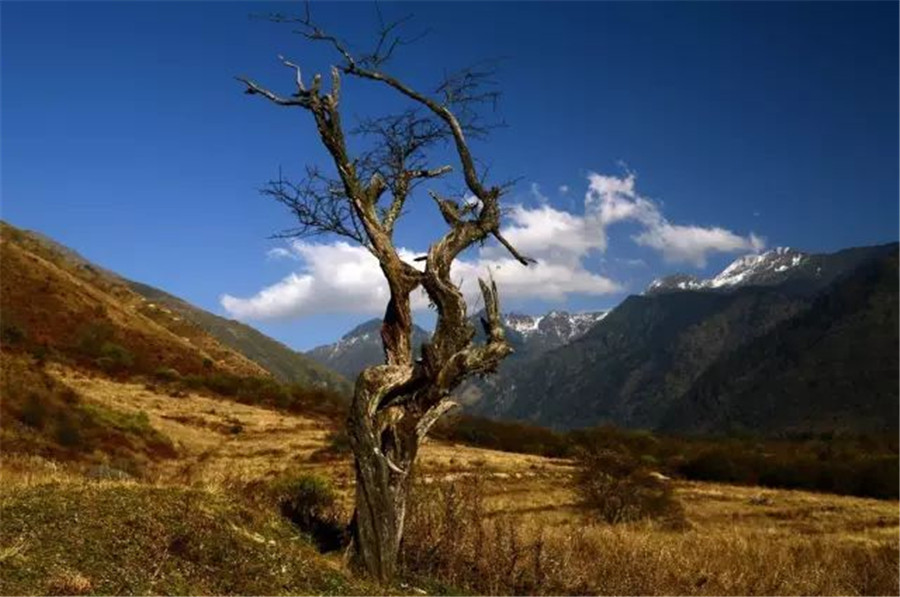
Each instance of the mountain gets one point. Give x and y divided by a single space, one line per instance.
630 366
657 360
802 272
539 333
56 303
529 335
358 349
769 268
831 368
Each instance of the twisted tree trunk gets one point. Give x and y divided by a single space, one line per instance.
395 404
382 489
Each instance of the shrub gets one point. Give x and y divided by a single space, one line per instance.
311 503
34 412
67 432
337 444
617 488
92 336
114 358
507 436
40 352
167 374
11 334
451 540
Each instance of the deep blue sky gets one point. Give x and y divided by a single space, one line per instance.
125 136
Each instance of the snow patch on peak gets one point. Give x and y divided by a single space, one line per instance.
753 268
761 268
556 326
523 324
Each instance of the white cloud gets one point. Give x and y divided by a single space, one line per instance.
342 278
616 200
338 277
335 278
691 244
279 253
563 189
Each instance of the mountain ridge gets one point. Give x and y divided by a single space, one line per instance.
361 346
54 299
639 361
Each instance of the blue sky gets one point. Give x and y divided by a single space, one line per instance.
126 137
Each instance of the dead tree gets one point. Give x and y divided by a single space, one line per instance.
396 403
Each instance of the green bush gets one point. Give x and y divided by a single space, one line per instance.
617 488
114 358
311 503
34 412
11 334
167 374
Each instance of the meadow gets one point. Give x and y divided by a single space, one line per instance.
200 518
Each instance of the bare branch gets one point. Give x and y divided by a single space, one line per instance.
254 89
431 417
319 204
298 75
518 256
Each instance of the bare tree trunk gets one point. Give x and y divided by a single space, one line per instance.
385 447
396 403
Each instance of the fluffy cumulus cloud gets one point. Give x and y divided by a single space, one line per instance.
612 199
342 278
339 277
334 277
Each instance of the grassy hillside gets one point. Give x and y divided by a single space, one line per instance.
144 457
107 538
285 364
39 415
57 306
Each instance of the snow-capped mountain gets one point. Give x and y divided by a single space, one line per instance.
361 346
545 332
771 267
781 341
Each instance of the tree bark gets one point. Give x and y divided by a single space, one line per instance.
385 447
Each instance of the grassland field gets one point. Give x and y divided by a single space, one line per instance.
65 532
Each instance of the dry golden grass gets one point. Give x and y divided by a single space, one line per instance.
54 298
489 544
740 540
